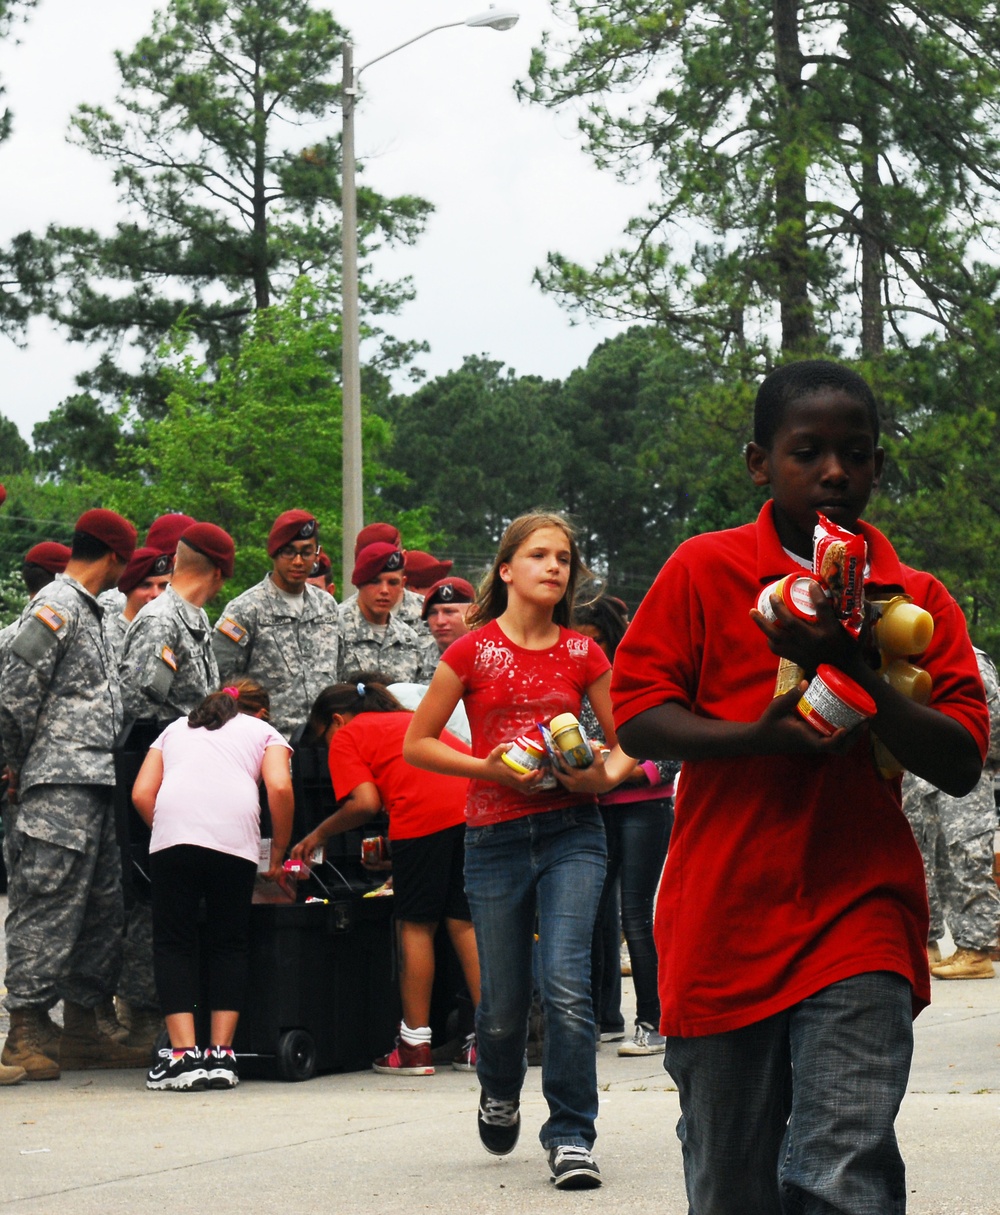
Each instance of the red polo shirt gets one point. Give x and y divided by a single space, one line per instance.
785 873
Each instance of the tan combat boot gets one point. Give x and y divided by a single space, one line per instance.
84 1047
24 1045
933 953
107 1020
965 964
145 1027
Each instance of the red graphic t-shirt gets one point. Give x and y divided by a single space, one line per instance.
508 690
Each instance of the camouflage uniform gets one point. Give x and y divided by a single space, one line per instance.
396 651
408 610
60 710
167 666
115 628
293 656
955 835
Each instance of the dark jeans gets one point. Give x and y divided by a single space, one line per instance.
181 877
637 834
794 1115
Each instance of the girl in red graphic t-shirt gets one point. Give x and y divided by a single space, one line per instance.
532 857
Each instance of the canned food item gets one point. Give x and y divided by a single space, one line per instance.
793 592
790 675
524 754
833 701
527 754
374 850
573 745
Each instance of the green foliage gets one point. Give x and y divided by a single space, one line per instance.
940 498
15 454
840 162
225 208
638 448
258 435
78 436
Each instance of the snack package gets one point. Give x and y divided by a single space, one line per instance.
839 563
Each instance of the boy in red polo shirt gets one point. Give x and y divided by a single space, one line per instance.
792 918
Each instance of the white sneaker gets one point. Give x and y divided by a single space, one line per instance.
645 1041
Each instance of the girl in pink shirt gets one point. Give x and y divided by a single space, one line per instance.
198 791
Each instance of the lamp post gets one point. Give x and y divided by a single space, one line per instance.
353 510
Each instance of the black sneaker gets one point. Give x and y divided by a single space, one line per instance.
573 1167
499 1124
182 1072
220 1067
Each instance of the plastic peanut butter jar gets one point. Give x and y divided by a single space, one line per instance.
833 701
569 738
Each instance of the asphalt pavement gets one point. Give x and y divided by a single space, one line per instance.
98 1142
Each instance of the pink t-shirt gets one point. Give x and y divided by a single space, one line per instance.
209 792
507 690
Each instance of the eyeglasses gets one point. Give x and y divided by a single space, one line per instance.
289 553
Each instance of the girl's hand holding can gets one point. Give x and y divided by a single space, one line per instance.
495 769
607 771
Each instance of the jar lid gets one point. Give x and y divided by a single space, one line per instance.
849 690
561 720
793 591
527 743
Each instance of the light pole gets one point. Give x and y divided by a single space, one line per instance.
353 510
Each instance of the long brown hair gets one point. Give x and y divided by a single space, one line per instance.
365 692
491 599
219 707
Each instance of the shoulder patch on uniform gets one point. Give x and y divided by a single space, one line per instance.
228 627
34 640
168 656
50 617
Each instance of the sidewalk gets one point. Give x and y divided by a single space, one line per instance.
98 1142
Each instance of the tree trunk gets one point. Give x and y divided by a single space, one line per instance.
790 205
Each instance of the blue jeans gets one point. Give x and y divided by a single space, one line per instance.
551 864
794 1115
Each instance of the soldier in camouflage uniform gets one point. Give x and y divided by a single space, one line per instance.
955 835
167 664
407 606
146 578
371 637
167 668
60 709
283 633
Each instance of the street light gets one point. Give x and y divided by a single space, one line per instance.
353 510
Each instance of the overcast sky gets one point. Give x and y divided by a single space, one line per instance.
439 119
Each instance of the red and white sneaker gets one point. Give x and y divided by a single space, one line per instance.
406 1060
465 1060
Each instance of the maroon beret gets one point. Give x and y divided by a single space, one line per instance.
448 590
110 529
375 559
377 533
423 570
321 566
49 555
146 563
165 531
292 525
212 542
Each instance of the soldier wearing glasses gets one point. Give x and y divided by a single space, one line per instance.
283 632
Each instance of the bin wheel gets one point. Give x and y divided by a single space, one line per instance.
296 1055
